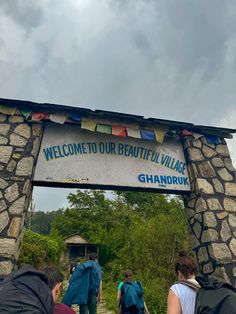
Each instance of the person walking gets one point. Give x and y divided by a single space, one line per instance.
130 296
181 297
85 286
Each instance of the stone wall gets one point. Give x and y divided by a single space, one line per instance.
211 207
19 145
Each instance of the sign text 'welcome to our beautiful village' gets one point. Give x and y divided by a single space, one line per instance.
70 155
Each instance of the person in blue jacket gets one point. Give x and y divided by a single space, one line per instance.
85 286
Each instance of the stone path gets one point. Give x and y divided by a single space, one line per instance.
101 309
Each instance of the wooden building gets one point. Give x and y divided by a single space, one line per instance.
78 248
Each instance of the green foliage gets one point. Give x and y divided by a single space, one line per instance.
38 250
139 231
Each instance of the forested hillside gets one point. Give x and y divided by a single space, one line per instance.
139 231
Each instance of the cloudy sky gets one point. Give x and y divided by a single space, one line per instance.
166 59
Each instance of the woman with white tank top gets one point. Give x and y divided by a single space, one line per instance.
181 298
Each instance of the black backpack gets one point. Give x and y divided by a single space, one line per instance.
213 296
25 291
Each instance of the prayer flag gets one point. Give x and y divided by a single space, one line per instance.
119 131
57 118
38 116
212 139
25 113
148 135
133 132
160 135
89 125
185 133
7 110
103 128
76 117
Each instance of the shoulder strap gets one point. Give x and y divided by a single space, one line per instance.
190 284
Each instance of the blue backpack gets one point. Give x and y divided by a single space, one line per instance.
132 298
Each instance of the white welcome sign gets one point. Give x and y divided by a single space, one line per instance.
71 155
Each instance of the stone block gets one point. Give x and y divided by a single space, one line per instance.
214 204
195 154
210 220
23 130
225 231
204 186
217 162
201 205
192 172
3 205
232 246
189 212
202 255
16 156
4 128
222 215
17 140
5 154
27 187
3 117
7 247
35 149
207 268
218 186
25 166
209 235
4 220
222 150
3 184
3 140
16 119
11 165
197 229
230 189
230 204
197 143
208 152
5 268
206 169
12 192
220 273
194 242
225 175
14 228
232 220
198 217
18 206
221 252
228 164
37 129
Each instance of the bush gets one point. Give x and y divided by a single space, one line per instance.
39 250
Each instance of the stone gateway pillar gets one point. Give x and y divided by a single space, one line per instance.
211 207
19 144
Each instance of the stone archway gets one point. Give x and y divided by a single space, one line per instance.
210 207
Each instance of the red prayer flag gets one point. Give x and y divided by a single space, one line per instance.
38 116
184 133
119 131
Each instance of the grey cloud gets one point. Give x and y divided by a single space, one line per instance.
26 13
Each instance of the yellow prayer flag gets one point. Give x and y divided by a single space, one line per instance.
160 135
7 110
88 124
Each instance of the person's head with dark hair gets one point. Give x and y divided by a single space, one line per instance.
93 257
55 279
185 266
128 275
